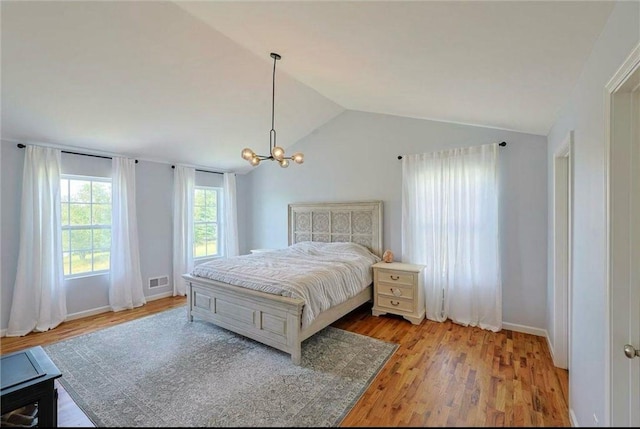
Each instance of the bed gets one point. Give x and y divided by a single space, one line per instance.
264 312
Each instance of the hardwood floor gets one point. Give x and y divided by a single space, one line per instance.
442 374
445 374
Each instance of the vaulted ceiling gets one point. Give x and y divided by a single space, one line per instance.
190 82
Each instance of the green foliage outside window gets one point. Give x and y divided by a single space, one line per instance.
86 224
205 225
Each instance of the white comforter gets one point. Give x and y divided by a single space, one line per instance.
321 274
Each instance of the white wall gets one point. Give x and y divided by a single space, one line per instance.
584 113
354 157
12 159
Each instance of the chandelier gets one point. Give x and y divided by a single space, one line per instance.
276 153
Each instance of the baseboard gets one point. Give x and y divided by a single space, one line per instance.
106 308
573 419
525 329
159 296
87 313
553 359
99 310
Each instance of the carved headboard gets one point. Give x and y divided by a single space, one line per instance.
357 222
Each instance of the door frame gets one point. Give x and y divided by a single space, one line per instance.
562 251
615 245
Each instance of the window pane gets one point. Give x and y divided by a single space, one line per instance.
80 191
102 192
199 199
199 213
64 190
81 239
212 197
102 238
80 262
80 214
64 211
100 260
212 239
210 213
102 214
65 241
66 258
199 239
212 204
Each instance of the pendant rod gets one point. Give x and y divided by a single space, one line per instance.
272 133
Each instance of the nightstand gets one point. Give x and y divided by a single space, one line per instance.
398 289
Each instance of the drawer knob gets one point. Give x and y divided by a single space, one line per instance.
395 303
394 277
396 292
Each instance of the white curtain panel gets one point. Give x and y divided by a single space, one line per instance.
125 289
231 247
184 179
450 224
39 301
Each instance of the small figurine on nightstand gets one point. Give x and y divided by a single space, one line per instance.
387 256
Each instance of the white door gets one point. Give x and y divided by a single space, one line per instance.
634 331
624 243
562 230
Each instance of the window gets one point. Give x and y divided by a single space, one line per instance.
86 224
206 221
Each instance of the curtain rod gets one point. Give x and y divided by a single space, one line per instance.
499 144
203 171
21 146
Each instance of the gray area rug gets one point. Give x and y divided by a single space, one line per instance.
163 371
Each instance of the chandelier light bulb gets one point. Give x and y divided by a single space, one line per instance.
277 152
247 154
298 157
284 163
255 161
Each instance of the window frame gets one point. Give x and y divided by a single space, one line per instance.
91 227
218 222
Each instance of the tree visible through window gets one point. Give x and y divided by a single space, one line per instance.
205 222
86 224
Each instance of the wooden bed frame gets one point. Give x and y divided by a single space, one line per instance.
276 320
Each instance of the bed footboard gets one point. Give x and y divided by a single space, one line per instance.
269 319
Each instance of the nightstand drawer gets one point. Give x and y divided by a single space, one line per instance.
395 303
398 277
395 290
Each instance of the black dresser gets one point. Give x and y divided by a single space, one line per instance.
29 397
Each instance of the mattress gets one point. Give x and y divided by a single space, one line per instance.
321 274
